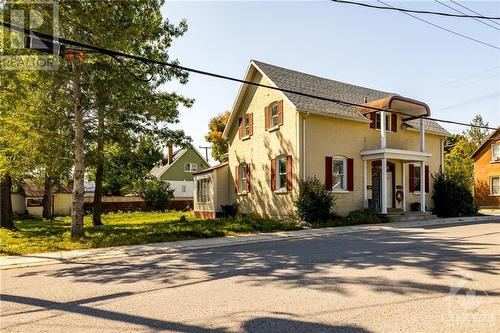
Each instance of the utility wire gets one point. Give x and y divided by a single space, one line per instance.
211 74
459 11
479 16
445 29
472 11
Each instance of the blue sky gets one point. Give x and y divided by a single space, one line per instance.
383 50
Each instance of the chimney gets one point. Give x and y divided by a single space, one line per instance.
170 155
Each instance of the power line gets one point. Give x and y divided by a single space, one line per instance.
211 74
418 11
459 11
472 11
445 29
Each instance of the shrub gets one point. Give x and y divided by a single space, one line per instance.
315 203
451 198
155 191
364 216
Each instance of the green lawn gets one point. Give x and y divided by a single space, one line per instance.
36 235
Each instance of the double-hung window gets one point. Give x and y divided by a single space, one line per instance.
243 177
273 110
339 168
190 167
495 185
246 128
281 173
378 122
495 152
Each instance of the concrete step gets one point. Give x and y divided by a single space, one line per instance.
410 217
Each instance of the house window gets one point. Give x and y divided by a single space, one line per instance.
274 115
339 174
34 202
202 190
243 177
495 152
495 185
416 178
378 122
246 131
281 174
190 167
183 188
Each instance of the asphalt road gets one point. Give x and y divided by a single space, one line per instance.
415 279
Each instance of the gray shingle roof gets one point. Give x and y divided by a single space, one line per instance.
160 169
292 80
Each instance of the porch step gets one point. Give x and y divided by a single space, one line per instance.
402 217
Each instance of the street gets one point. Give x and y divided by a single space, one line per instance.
432 278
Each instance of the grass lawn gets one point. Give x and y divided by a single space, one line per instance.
36 235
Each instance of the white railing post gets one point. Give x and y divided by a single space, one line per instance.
404 187
365 191
422 135
422 186
384 187
382 130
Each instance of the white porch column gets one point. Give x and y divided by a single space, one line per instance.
383 189
422 186
422 135
365 191
382 130
404 186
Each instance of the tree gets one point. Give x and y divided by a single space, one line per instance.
458 164
477 135
216 127
155 191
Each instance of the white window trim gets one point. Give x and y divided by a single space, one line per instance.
242 190
279 188
208 181
246 126
190 169
343 189
271 117
491 186
388 123
493 160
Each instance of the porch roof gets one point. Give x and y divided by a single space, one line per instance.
409 108
395 154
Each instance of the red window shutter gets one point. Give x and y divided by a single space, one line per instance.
240 127
350 174
273 174
250 120
280 113
328 173
411 178
266 114
237 178
426 179
289 173
247 171
394 122
373 118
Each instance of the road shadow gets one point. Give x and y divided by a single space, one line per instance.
314 263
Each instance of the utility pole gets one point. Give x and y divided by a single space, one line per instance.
206 151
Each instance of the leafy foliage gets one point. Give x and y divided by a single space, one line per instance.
315 203
216 127
458 164
155 191
451 197
476 135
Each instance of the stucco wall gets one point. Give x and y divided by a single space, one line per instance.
260 148
326 136
484 168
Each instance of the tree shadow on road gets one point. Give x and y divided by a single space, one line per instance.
317 263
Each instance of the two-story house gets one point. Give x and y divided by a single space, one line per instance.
178 169
487 172
367 158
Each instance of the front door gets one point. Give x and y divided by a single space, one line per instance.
377 184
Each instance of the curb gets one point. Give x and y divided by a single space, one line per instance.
80 256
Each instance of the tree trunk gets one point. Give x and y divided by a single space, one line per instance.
47 212
79 168
6 216
96 218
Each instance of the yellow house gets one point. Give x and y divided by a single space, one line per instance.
377 159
